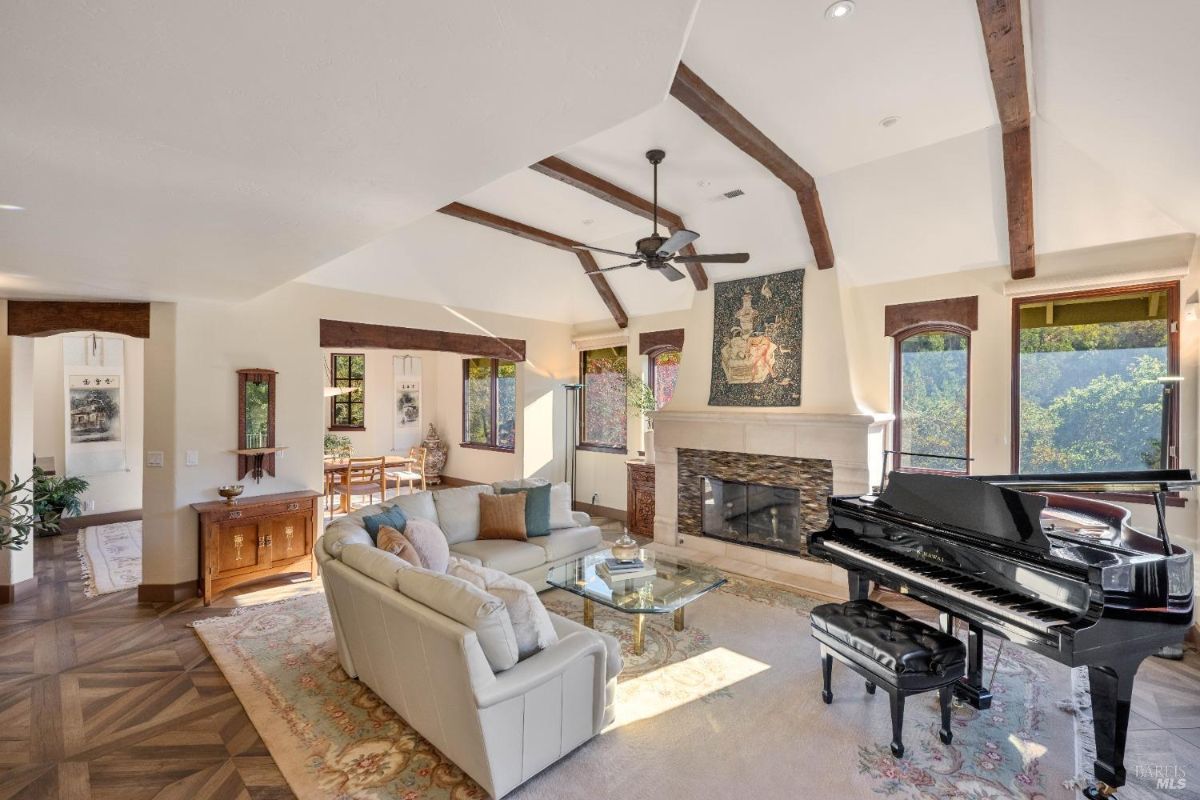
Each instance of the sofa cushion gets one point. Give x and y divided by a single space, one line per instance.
344 532
430 543
502 554
391 517
379 565
521 483
502 517
537 508
468 605
569 541
458 512
393 541
417 506
560 506
530 620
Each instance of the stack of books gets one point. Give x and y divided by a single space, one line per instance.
616 569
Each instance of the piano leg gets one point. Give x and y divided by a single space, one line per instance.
1112 690
970 688
859 583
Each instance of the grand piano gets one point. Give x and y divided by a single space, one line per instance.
1036 561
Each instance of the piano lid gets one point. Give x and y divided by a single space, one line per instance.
1143 480
990 511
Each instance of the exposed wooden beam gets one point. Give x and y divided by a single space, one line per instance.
1005 44
533 234
355 335
46 318
726 120
596 186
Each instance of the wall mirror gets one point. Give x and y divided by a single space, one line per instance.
256 423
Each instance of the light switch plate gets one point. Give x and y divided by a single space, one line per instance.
191 458
154 458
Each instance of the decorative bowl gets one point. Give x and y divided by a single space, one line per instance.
625 547
230 492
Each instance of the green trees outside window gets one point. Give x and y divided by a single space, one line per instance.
349 411
932 371
490 403
604 422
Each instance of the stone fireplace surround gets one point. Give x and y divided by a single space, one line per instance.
849 443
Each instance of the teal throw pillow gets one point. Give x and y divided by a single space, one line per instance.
391 517
537 508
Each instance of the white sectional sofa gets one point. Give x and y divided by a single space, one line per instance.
403 632
456 512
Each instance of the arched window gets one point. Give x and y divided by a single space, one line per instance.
932 398
662 372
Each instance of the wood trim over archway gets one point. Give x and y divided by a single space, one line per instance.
50 317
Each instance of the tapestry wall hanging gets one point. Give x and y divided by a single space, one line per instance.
757 337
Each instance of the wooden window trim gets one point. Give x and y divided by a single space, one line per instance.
584 444
1172 290
333 401
493 409
898 389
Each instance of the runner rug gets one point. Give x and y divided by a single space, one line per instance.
111 557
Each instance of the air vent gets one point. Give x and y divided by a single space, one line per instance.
734 193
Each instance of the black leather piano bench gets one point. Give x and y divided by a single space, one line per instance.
892 650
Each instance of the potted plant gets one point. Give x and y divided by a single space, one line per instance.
55 497
16 513
640 400
337 446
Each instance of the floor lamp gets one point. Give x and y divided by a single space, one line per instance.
572 432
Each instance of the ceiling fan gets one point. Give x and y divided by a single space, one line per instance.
658 252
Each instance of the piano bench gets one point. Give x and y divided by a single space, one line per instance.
892 650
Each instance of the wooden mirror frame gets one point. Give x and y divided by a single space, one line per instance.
246 462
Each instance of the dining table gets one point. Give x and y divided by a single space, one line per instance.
333 466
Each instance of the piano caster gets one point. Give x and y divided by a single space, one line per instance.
897 750
1101 791
827 697
979 697
870 688
946 736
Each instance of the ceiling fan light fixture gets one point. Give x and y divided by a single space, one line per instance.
840 9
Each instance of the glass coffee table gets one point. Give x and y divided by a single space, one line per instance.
673 585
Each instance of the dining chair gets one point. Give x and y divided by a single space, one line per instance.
414 472
362 477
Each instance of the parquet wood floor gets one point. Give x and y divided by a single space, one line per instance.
108 699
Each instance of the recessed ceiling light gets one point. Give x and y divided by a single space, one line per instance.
7 207
840 9
888 122
704 183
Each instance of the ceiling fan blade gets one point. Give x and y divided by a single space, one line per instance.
720 258
604 250
679 239
670 272
620 266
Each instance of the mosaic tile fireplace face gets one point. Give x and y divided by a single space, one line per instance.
771 502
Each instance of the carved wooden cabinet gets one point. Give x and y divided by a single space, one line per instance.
639 504
255 538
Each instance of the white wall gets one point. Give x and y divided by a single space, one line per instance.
16 434
108 491
279 330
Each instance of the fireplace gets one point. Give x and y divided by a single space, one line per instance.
756 514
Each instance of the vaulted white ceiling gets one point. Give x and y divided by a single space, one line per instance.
166 148
251 156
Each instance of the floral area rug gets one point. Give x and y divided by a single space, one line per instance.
111 557
728 707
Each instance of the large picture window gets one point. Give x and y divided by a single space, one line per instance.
348 411
1093 380
603 375
932 399
489 404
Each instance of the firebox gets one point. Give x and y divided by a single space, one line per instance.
755 514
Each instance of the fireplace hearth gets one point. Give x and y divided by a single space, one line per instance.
755 514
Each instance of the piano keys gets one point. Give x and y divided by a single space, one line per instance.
1033 560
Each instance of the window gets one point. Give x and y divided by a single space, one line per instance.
602 373
1091 380
664 373
348 411
932 395
489 404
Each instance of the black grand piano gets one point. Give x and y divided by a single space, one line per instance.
1034 560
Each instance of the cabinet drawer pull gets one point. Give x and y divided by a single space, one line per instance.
235 515
293 506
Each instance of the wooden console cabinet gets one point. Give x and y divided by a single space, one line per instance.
639 502
255 538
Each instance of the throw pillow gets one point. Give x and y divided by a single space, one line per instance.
395 542
537 508
430 543
391 517
530 620
502 516
560 506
